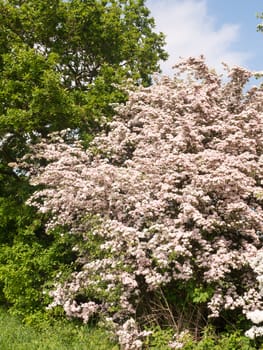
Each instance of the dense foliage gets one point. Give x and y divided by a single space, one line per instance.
54 52
62 65
166 207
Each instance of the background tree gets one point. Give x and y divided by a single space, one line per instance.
62 65
260 26
166 207
71 51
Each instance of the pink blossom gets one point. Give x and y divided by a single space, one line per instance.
172 191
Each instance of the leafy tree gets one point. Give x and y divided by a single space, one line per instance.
62 65
61 61
87 35
166 206
260 26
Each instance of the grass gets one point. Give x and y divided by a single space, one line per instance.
14 335
63 336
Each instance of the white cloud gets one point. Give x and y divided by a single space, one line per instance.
191 31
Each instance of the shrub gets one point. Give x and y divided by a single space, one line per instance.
29 266
166 205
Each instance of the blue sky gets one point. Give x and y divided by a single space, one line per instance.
222 30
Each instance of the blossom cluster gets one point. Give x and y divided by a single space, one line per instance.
173 193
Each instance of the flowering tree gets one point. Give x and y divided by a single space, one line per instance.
167 205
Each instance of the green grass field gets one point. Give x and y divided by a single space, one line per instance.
14 335
64 336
